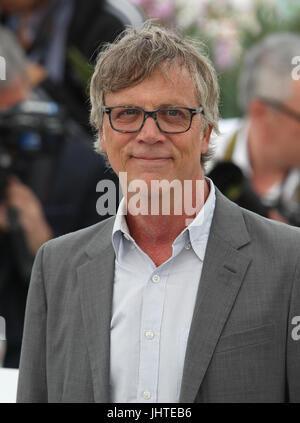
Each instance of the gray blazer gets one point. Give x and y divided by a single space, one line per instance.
240 346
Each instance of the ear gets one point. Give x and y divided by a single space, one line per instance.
205 139
102 140
257 109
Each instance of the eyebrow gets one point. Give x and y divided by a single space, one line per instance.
155 108
168 105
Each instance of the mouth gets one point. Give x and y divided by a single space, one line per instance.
150 158
151 161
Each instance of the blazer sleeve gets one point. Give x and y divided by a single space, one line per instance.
293 342
32 384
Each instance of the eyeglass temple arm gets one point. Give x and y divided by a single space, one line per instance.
198 110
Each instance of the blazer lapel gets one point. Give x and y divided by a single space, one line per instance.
223 272
96 276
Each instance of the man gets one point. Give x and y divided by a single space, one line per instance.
42 195
163 307
265 145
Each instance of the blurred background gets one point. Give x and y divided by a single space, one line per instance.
228 28
48 169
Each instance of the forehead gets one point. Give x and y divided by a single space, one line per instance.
171 85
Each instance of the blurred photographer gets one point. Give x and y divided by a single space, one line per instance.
48 178
258 158
60 38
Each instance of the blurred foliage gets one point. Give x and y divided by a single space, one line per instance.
228 28
269 18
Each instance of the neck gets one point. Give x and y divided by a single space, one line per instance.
152 232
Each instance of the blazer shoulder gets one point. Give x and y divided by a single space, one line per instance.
74 244
241 227
285 238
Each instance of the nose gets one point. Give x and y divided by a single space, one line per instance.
150 132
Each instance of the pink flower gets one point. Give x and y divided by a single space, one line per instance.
165 11
142 3
223 56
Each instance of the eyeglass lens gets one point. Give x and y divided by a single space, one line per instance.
131 119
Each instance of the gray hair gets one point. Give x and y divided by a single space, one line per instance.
13 56
267 69
136 54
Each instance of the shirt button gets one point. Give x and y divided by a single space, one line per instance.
149 334
146 395
127 236
155 278
187 246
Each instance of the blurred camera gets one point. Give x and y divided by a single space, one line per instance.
289 202
233 184
27 131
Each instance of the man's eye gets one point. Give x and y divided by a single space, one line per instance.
172 113
130 112
125 113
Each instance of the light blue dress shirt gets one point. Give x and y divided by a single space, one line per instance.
152 311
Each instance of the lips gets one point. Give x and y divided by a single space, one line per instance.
150 158
150 162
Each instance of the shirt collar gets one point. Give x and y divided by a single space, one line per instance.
240 155
197 232
120 226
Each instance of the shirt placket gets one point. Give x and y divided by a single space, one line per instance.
151 322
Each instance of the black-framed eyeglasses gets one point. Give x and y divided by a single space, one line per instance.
171 120
275 104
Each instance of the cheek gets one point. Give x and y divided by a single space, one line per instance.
197 147
204 145
287 133
115 148
296 130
